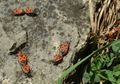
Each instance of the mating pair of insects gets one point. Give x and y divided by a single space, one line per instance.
20 11
22 58
62 51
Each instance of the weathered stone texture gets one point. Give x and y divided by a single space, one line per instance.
56 21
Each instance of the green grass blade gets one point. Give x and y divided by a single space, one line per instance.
72 68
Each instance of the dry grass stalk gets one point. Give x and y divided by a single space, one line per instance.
103 15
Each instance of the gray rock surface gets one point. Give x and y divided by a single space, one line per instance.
19 40
5 40
56 21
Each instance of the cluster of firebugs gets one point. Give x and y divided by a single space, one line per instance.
63 48
22 58
58 57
